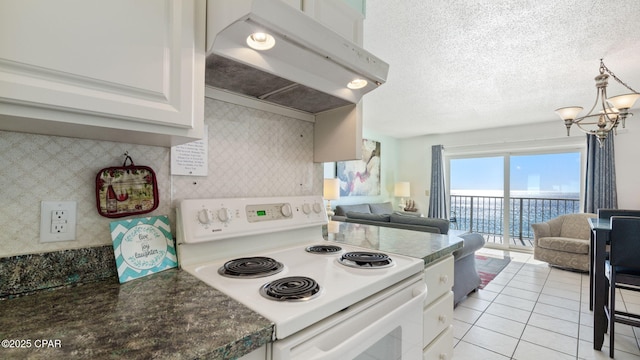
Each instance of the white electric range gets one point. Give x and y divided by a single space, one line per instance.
327 300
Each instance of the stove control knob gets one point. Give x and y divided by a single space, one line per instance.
286 210
224 215
203 217
317 208
306 208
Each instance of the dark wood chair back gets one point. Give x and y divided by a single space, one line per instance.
608 213
625 242
622 271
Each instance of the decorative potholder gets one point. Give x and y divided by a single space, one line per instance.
126 190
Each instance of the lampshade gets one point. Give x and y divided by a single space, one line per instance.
568 113
625 101
402 189
331 189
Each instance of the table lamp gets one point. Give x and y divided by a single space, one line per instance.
331 191
402 190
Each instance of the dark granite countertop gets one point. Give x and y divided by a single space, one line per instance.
168 315
428 246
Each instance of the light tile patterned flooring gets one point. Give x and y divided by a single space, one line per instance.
533 311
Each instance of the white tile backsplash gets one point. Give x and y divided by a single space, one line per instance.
251 153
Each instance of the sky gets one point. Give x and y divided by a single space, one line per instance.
534 173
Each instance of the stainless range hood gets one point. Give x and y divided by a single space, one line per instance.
307 69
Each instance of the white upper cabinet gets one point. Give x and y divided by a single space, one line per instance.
338 16
118 70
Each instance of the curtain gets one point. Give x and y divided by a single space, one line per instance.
600 184
438 199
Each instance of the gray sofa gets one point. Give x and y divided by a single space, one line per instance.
465 275
466 278
382 214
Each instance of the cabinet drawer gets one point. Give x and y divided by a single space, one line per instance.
439 279
441 348
437 317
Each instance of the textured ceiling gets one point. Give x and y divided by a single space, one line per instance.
465 65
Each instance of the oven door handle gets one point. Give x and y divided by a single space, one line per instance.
344 346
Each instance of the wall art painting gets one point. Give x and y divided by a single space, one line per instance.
361 177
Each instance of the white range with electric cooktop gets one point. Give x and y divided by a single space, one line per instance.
326 300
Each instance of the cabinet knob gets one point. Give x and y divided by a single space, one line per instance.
444 279
442 319
442 357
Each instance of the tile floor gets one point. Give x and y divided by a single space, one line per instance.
533 311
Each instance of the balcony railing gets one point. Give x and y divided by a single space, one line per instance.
485 215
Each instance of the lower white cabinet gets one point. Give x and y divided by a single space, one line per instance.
119 70
437 317
441 348
438 310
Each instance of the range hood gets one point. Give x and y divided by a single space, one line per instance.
307 69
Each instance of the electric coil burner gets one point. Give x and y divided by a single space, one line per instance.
251 267
323 249
365 259
293 288
269 255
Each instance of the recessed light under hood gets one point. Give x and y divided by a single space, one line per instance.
307 69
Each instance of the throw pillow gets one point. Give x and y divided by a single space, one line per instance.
381 208
367 216
341 210
442 224
408 213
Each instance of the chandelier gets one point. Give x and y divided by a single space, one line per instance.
606 113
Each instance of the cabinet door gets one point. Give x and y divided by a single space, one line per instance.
337 134
338 16
116 64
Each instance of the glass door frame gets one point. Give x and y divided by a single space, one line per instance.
464 152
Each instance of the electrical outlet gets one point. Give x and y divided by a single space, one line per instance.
59 215
59 227
57 221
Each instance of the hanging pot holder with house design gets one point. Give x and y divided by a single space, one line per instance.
126 190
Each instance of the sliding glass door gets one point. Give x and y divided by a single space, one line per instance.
542 187
476 185
501 195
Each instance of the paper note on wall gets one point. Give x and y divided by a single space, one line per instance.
191 158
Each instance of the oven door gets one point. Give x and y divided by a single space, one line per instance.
387 325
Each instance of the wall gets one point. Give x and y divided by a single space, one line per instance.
415 164
251 153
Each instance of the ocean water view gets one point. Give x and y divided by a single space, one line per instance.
483 211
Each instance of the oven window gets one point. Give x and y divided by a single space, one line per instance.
389 347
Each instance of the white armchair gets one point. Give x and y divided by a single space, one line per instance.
563 241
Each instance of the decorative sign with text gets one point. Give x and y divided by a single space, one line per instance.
142 246
191 158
